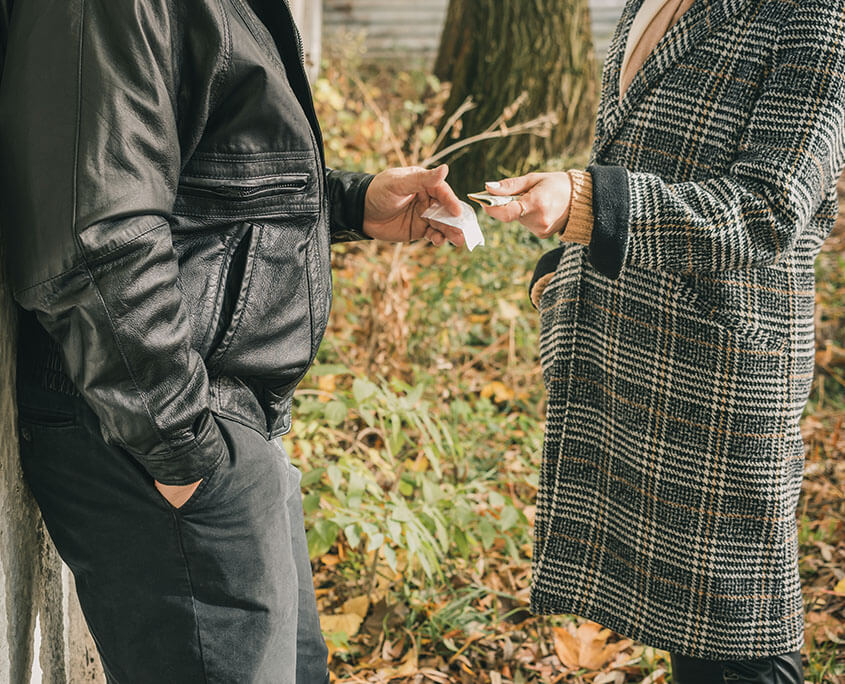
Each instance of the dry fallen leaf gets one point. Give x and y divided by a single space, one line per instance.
656 677
346 624
566 647
420 464
408 667
329 559
822 627
498 391
327 385
840 587
508 311
831 356
359 606
587 647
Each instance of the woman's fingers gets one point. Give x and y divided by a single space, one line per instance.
542 205
514 186
519 208
509 212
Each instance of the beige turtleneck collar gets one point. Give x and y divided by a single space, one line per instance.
653 21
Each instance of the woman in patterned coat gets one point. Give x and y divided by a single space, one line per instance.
677 332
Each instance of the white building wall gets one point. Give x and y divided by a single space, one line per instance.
413 28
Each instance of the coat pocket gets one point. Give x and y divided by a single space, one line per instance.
745 335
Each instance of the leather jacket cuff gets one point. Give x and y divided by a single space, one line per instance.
347 196
192 462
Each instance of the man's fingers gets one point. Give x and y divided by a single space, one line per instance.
434 237
434 176
450 233
415 179
513 186
412 179
436 186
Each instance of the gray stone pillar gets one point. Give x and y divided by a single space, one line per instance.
308 15
33 583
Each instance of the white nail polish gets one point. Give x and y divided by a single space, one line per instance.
494 184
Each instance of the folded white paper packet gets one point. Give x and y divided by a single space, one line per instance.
467 222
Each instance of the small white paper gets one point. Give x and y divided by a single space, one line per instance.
467 222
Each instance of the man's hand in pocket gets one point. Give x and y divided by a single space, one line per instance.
177 495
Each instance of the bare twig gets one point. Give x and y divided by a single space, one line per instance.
385 120
510 111
492 348
466 106
541 127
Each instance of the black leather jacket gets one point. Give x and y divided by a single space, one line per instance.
167 213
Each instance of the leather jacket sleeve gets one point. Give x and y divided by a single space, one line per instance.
347 195
91 151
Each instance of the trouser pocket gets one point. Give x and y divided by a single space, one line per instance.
211 593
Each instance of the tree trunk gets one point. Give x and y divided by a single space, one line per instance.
493 51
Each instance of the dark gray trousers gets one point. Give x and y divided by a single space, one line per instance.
219 591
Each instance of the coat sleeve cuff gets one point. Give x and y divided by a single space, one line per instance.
542 274
611 215
579 227
192 462
347 196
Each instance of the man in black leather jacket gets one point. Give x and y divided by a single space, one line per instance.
167 215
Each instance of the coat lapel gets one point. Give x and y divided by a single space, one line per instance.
613 65
702 19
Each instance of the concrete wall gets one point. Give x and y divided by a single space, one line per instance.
33 583
408 28
308 15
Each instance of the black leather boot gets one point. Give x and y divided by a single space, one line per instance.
784 669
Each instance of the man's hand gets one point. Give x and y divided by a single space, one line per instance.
544 204
177 496
396 199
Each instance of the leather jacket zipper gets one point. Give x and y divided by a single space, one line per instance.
297 33
244 190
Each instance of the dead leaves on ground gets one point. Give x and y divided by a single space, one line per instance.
587 646
822 552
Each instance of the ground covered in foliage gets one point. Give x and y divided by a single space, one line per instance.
419 434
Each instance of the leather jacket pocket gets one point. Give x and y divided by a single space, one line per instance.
244 189
234 296
265 321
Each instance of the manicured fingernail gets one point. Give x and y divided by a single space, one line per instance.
494 184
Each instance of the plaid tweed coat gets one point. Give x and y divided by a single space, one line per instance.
677 349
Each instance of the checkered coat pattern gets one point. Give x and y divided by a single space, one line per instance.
677 349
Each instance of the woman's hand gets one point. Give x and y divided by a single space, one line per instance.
396 199
544 204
